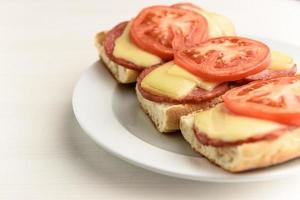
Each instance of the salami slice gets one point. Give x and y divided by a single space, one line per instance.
268 74
109 45
198 95
205 140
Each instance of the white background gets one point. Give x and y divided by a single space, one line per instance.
44 154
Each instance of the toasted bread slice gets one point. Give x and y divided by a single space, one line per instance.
120 73
166 116
245 156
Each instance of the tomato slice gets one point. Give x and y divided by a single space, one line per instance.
161 30
185 5
225 58
275 99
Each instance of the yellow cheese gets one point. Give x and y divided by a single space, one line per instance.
175 70
281 61
173 81
219 123
160 83
224 24
219 25
126 49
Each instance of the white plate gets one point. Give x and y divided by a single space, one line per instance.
110 114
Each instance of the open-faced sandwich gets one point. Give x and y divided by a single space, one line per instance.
258 125
236 101
198 77
151 38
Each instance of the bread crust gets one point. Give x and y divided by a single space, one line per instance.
166 116
119 72
246 156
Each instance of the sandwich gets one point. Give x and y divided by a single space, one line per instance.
257 126
151 38
198 77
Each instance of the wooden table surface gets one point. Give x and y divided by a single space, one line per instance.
44 48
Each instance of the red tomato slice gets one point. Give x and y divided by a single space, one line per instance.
275 99
225 58
161 30
184 5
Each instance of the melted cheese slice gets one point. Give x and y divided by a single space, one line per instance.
218 25
173 81
175 70
219 123
127 50
280 61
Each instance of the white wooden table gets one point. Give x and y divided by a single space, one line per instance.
44 154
